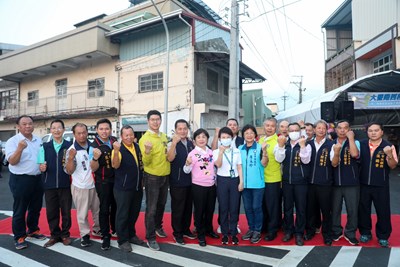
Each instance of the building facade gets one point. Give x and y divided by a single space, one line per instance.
361 38
115 67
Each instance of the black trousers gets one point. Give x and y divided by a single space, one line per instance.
181 209
156 190
108 207
272 207
204 204
128 209
380 196
319 201
27 191
58 201
294 196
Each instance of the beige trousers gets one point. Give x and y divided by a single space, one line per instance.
85 200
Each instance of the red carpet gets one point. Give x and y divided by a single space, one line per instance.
5 228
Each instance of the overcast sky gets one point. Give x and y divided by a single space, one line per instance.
282 39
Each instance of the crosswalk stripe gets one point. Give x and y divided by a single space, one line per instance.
233 254
295 256
80 254
7 212
346 256
394 259
163 256
14 259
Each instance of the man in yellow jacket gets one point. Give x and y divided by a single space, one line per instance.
153 145
273 179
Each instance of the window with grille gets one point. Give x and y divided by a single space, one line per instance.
33 98
7 98
151 82
96 88
383 64
212 80
61 88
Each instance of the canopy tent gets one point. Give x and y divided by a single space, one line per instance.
384 82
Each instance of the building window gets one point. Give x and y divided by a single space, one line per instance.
96 88
383 64
33 98
7 98
151 82
226 86
61 88
212 80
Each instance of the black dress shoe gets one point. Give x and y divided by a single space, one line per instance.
202 242
299 240
309 236
287 237
328 241
213 235
270 237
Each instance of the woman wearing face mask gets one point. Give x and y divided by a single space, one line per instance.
295 156
229 185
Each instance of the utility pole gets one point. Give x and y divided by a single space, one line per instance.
301 90
284 97
233 101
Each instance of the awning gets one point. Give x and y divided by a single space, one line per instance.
221 59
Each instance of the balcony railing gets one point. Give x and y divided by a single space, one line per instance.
68 106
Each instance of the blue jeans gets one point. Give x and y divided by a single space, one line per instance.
252 201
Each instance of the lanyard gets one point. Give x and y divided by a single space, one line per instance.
231 161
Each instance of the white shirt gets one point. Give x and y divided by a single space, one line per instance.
234 157
82 176
318 145
28 162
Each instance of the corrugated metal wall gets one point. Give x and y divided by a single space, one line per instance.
153 41
204 31
371 17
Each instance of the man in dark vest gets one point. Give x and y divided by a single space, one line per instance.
319 194
344 157
100 162
295 156
378 156
180 183
56 185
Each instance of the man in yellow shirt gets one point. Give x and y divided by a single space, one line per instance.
153 145
273 179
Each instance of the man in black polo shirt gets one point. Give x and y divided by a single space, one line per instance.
180 183
100 155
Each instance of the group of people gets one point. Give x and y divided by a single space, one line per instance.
294 169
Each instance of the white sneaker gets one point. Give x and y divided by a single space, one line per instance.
219 229
238 229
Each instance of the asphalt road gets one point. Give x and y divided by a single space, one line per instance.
192 254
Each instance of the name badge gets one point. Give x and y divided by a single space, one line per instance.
232 172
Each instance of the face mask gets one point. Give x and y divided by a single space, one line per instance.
303 133
226 142
294 136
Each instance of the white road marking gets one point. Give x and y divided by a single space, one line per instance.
14 259
394 258
346 256
295 256
163 256
80 254
235 254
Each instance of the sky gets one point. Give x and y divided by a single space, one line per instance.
282 39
